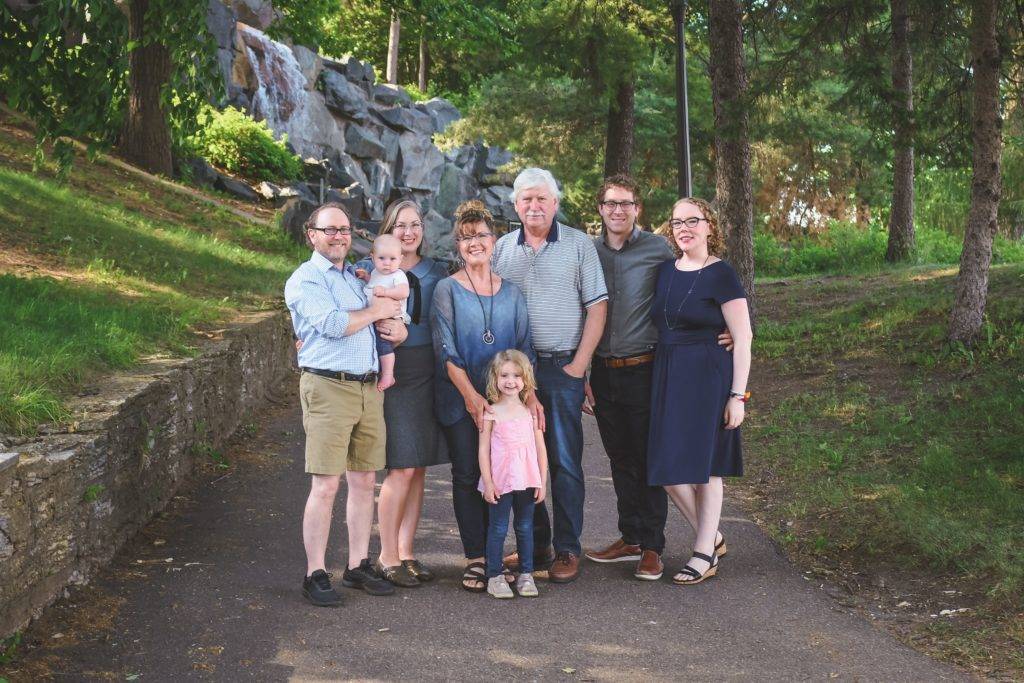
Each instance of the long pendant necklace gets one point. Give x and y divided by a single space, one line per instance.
668 294
488 336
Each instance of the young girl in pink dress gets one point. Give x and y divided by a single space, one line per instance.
513 468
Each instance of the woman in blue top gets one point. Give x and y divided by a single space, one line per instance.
475 315
414 438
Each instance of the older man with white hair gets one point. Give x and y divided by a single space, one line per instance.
558 270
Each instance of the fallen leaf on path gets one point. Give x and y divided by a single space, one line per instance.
383 630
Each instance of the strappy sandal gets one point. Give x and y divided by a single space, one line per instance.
418 570
477 573
720 547
398 575
696 576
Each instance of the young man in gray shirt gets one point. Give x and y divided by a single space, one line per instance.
619 392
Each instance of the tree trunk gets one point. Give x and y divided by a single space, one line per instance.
392 66
972 283
424 56
618 151
734 194
145 136
901 216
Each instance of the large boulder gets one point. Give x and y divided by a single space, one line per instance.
351 197
256 13
489 160
420 164
498 200
437 234
378 175
235 187
363 142
309 64
391 95
342 97
406 119
456 186
293 219
220 22
345 170
442 112
197 171
464 156
389 139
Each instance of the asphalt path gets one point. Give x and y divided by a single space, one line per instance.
211 590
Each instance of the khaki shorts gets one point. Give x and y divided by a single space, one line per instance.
344 423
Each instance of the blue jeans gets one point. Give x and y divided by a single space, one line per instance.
470 507
562 398
497 528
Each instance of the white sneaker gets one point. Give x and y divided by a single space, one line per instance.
526 586
499 588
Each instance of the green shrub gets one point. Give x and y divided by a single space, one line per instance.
235 142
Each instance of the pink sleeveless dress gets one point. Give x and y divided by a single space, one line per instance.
514 465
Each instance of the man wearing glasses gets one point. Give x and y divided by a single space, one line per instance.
558 271
619 391
342 411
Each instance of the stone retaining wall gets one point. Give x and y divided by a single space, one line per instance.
70 499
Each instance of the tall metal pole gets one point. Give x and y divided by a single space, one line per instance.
682 101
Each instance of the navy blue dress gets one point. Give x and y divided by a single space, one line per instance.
692 378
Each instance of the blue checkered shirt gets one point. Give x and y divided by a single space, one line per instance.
319 296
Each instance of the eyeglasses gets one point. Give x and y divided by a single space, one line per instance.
479 237
331 232
408 227
611 206
691 223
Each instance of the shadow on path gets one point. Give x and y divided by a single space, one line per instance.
211 590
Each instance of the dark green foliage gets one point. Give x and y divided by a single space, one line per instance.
64 63
235 142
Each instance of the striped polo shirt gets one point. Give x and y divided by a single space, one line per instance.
560 281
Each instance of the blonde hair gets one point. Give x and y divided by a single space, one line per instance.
517 358
716 242
387 226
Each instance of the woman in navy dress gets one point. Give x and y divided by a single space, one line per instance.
699 389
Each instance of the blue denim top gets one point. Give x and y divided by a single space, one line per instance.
429 272
458 326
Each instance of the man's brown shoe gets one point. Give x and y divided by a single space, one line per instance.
619 551
540 561
649 568
565 569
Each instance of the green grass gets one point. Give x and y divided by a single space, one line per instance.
846 249
879 443
114 272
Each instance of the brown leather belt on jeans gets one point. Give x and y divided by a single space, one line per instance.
628 361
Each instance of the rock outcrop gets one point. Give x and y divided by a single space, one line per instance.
365 143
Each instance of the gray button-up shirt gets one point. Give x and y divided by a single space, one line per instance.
630 273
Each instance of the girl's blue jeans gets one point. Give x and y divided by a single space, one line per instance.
521 502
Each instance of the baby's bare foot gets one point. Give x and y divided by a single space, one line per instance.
385 382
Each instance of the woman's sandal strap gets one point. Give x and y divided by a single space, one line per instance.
690 571
702 556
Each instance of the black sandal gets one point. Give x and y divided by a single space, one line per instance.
477 572
697 577
418 570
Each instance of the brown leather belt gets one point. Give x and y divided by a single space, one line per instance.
629 361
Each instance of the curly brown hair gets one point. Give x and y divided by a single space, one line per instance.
716 242
471 212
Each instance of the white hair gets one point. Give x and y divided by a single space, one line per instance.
534 177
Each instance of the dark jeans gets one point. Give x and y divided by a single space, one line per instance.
470 507
522 503
623 411
562 398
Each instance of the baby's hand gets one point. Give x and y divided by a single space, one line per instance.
539 493
362 274
380 291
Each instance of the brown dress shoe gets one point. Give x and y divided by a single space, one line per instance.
619 551
541 561
649 568
565 569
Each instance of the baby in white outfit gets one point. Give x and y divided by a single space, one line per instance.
389 281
